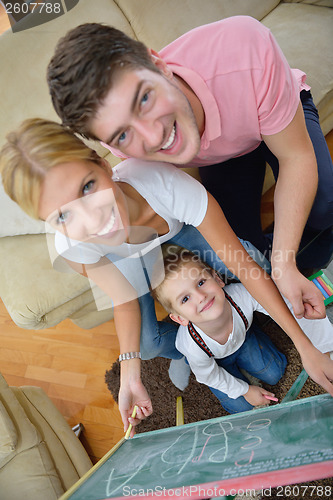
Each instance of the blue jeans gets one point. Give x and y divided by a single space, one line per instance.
237 186
260 358
158 337
321 215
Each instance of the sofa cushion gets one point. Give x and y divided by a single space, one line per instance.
305 35
8 435
46 296
30 475
27 435
155 24
14 221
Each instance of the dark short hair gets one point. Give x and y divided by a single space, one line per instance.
83 67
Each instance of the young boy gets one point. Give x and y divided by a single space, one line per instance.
216 333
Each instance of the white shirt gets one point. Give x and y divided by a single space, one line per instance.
208 372
174 195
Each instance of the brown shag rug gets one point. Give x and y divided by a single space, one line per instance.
163 394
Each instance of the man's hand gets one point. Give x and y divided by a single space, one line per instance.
128 398
304 296
255 396
319 367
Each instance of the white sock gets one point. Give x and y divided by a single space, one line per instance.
251 378
179 373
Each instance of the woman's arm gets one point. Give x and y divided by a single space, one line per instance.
223 240
127 318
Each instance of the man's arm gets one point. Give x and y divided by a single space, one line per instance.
294 195
227 246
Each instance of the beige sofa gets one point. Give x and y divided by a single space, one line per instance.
40 456
35 295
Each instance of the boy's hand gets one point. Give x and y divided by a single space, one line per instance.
255 396
129 396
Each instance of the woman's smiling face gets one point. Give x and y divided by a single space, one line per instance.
81 200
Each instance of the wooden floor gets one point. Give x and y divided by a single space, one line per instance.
69 364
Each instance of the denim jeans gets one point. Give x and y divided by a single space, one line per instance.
260 358
237 186
158 337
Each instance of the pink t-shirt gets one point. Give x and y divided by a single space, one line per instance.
244 83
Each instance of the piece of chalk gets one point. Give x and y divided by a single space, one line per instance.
128 432
327 281
270 397
324 285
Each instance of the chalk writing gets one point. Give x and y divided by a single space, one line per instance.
198 457
281 437
111 491
168 455
259 424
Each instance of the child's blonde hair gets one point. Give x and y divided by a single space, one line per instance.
33 149
174 258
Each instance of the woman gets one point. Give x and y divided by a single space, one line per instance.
109 227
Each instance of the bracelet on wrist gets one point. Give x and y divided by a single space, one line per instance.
129 355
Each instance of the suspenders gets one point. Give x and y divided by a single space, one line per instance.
200 341
238 309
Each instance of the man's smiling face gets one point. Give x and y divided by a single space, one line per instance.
146 115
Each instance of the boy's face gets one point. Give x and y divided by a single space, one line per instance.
197 296
80 200
146 115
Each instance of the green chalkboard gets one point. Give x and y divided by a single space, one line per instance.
294 437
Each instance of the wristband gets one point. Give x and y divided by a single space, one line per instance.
129 355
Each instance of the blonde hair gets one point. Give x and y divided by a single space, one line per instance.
174 258
33 149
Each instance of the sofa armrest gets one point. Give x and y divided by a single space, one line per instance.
28 470
8 434
45 456
68 454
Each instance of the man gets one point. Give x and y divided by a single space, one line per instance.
220 96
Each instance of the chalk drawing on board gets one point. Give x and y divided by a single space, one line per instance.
111 490
295 438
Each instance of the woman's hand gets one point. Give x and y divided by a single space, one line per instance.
129 396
